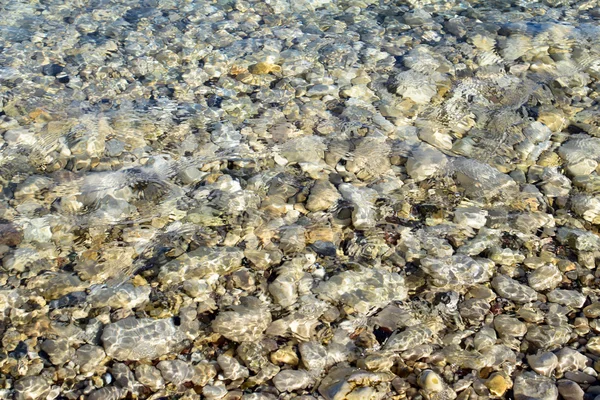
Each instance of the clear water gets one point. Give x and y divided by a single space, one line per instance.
133 134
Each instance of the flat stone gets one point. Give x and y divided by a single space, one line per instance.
31 388
529 385
570 390
290 380
513 290
139 339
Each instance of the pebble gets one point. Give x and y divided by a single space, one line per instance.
569 298
510 326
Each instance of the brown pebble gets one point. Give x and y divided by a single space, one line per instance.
10 235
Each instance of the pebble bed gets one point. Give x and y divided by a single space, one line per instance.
300 199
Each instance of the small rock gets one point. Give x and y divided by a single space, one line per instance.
59 350
107 393
52 69
88 357
313 355
214 392
232 369
548 336
263 68
10 235
593 345
245 322
123 376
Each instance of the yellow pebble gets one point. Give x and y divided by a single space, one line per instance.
263 68
497 385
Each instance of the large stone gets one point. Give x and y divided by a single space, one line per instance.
243 322
529 385
290 380
513 290
363 289
31 388
200 263
139 339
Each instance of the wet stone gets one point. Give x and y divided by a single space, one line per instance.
137 339
200 263
149 376
174 371
31 388
506 325
231 368
52 69
531 385
245 322
88 357
123 377
513 290
313 356
290 380
10 235
570 390
569 298
59 351
545 278
543 363
547 336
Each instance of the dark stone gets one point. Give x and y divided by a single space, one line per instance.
10 235
496 218
52 69
20 351
134 15
324 249
70 300
335 179
63 78
214 101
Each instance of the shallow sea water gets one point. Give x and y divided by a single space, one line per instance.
305 199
